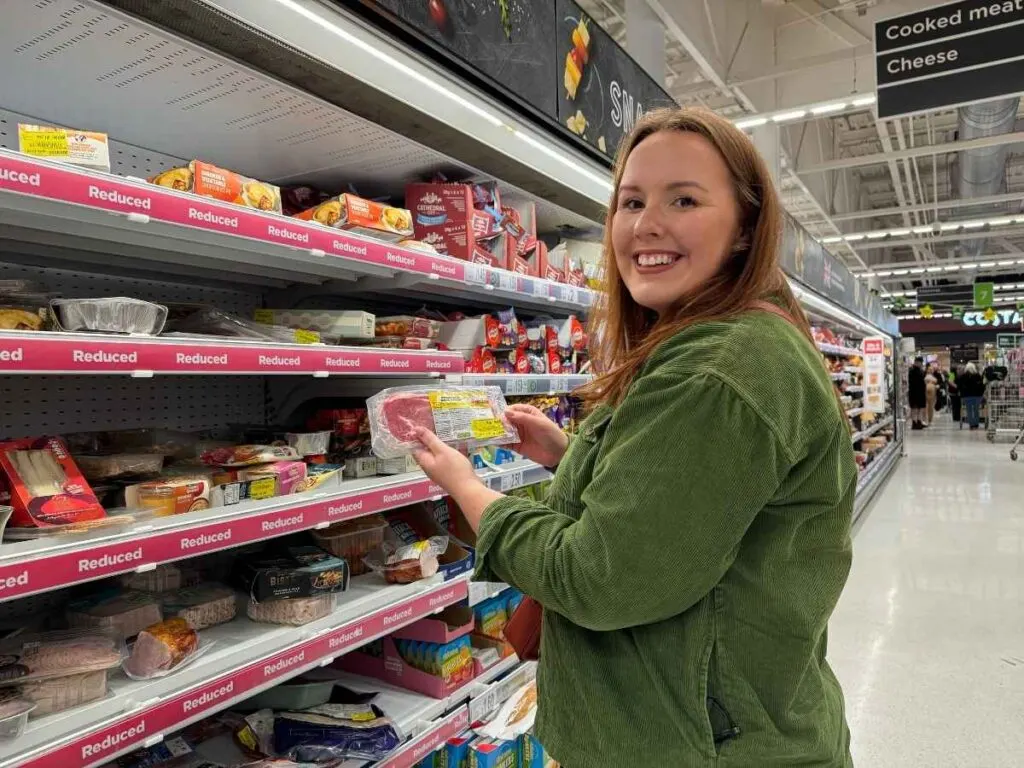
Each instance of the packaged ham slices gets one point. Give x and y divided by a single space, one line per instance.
465 417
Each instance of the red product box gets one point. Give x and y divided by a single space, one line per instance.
522 248
459 220
46 485
506 361
566 334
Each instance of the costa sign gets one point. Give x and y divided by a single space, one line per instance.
1003 317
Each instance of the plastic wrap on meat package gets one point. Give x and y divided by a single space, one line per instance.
466 417
110 315
46 655
164 648
295 611
124 613
204 605
401 563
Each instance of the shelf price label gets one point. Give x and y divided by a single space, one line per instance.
507 281
570 294
476 273
540 289
511 480
497 693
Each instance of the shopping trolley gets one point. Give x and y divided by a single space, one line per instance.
1005 403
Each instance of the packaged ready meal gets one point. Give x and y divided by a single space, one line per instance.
88 149
469 417
208 180
367 217
45 484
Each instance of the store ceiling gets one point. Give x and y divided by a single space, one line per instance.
747 57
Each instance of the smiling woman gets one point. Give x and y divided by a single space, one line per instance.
696 536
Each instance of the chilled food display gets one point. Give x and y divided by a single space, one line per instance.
361 216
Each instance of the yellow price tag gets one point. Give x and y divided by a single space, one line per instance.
264 488
306 337
45 142
264 316
444 399
485 429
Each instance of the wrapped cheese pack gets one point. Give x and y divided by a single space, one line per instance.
465 417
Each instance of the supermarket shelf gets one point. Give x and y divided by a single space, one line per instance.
537 384
873 429
851 388
45 564
424 717
854 412
842 376
247 657
837 351
142 356
155 229
875 475
485 590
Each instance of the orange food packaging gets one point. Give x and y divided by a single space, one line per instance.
348 212
208 180
175 495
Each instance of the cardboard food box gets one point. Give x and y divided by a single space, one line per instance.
485 752
291 571
207 180
332 324
420 521
386 663
524 253
287 476
45 485
365 217
86 149
464 221
472 332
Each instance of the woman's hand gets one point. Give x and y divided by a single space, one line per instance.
442 463
540 438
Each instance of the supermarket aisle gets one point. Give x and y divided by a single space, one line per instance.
928 639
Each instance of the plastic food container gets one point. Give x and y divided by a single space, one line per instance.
99 467
202 606
295 611
14 712
300 693
310 443
113 315
353 540
163 578
59 693
407 325
175 496
125 613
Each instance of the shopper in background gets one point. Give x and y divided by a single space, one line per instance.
931 393
696 536
916 393
954 394
972 390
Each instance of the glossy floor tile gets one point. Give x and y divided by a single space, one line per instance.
928 638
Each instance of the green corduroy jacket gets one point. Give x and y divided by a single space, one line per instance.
692 547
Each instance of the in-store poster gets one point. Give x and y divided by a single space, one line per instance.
602 92
510 41
873 354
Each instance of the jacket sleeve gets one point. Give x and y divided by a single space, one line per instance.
685 466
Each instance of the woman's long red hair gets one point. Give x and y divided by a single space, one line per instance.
623 334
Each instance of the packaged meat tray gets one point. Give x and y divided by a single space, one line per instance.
202 606
334 325
467 417
14 711
248 455
124 613
291 571
57 654
408 325
60 693
163 578
110 466
110 315
353 540
295 611
162 648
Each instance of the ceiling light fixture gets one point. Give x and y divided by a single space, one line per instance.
753 122
785 117
826 109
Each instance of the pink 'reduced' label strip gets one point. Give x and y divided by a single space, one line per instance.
131 731
423 745
81 354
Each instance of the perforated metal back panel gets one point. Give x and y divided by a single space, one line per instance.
182 100
46 405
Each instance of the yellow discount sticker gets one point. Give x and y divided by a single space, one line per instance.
445 399
264 316
264 488
306 337
485 429
43 142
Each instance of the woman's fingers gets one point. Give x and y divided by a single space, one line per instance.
429 440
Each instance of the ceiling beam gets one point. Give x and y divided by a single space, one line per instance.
947 237
795 66
1012 197
922 151
824 17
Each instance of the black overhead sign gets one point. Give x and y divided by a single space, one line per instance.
948 55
